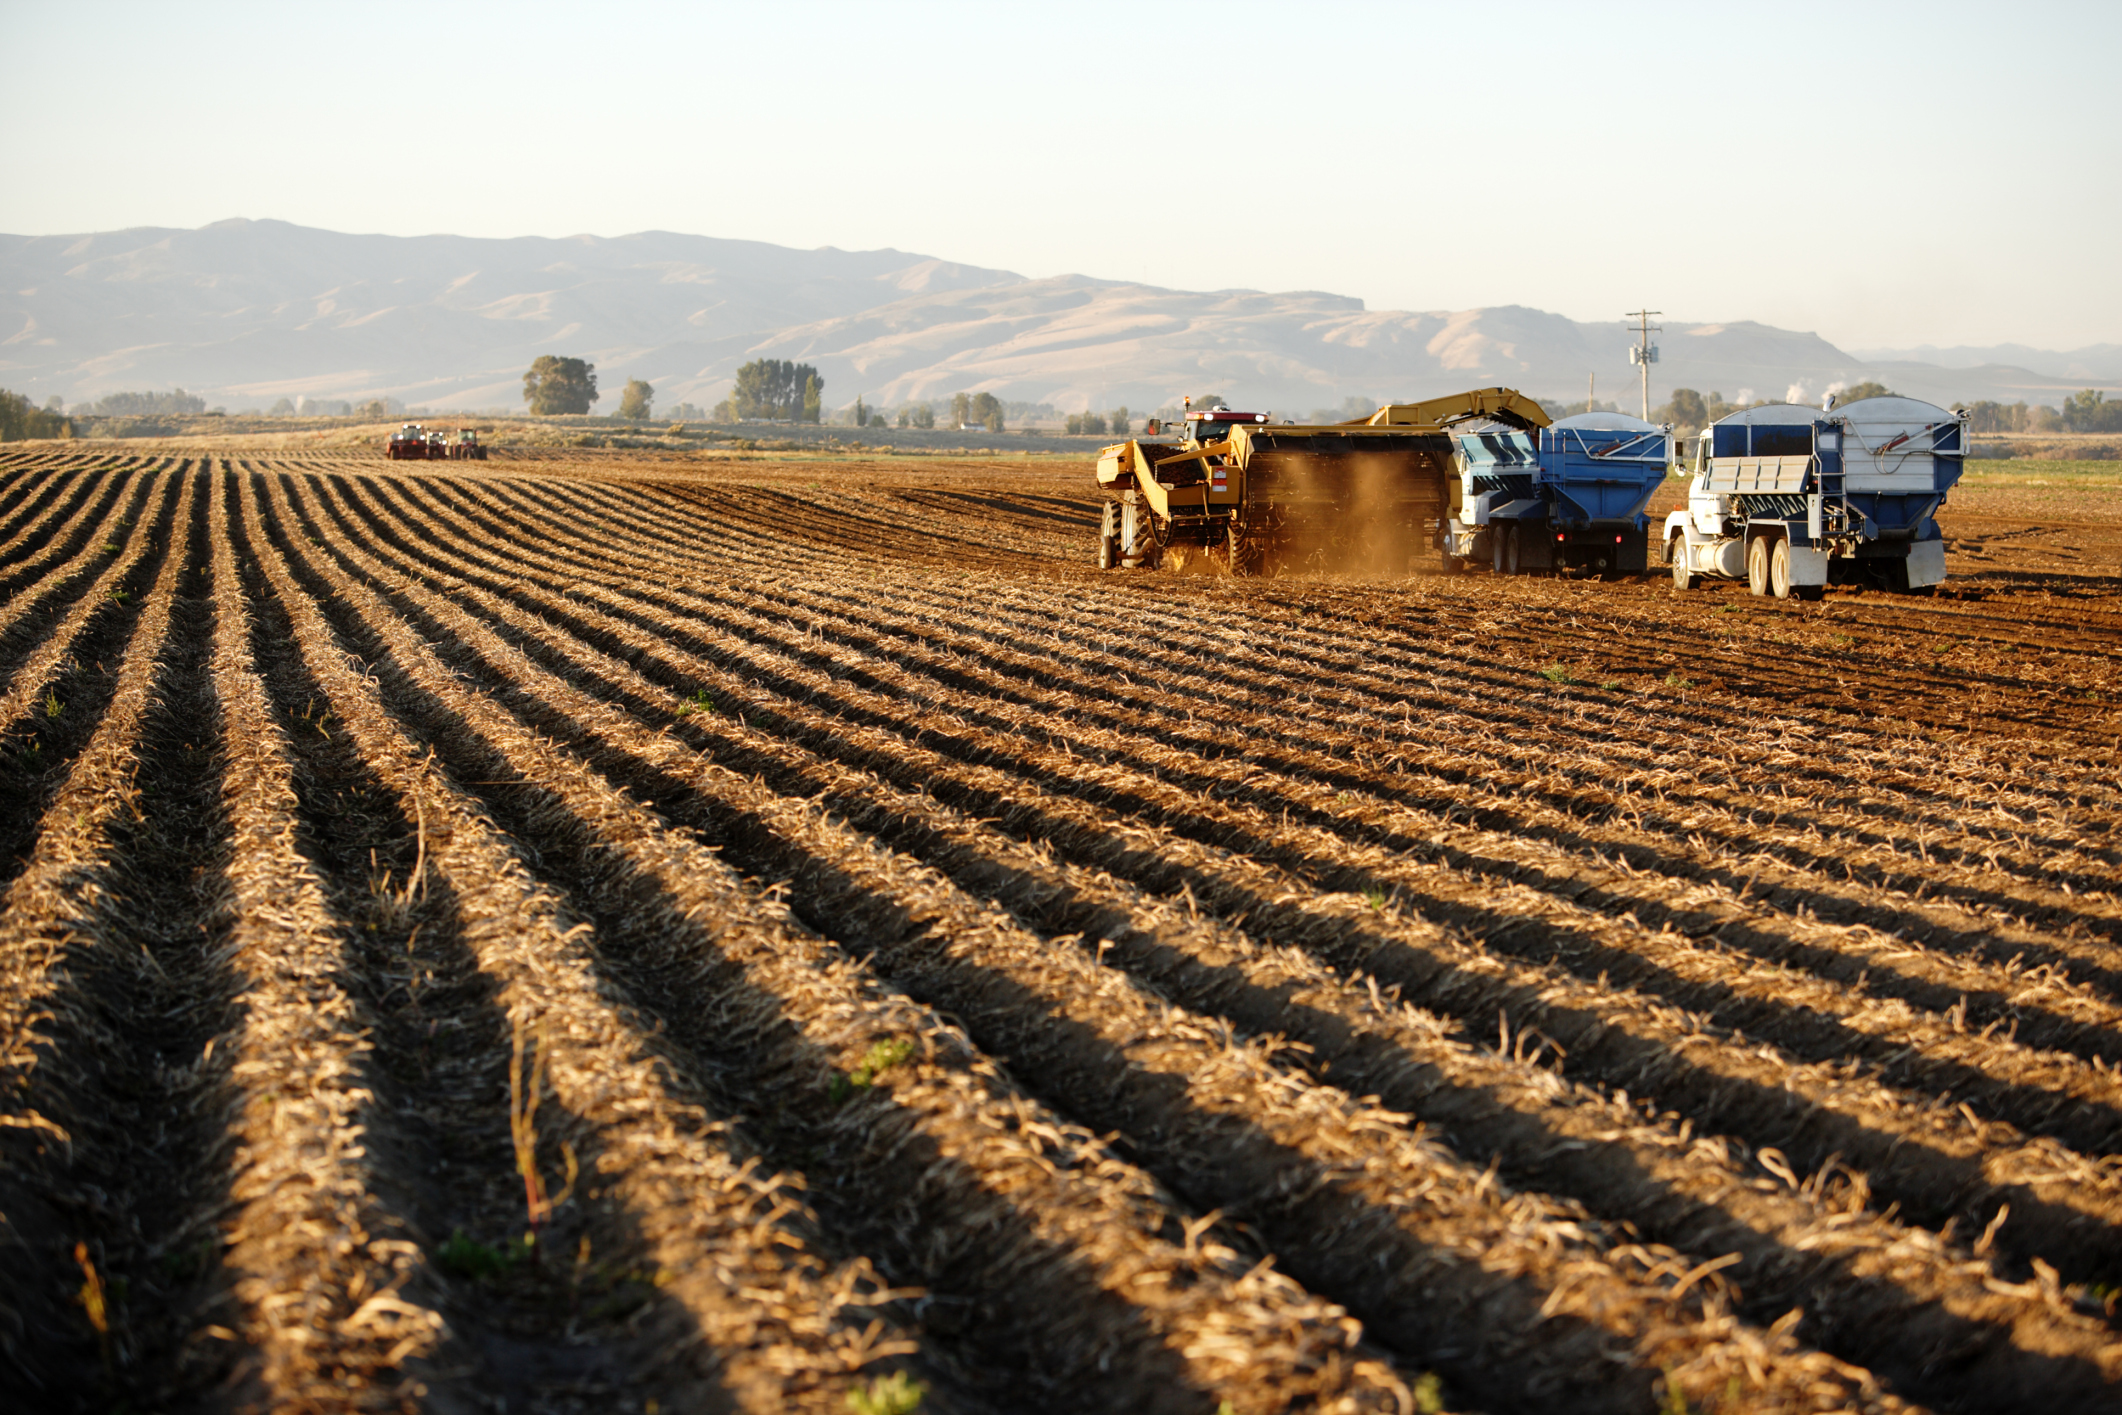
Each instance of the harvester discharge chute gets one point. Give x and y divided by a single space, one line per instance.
1257 497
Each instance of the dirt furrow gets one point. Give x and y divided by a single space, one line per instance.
1668 1190
30 494
59 532
1505 860
42 590
337 1301
116 992
1380 730
1877 1315
1703 979
1259 1341
1928 1155
1002 979
779 1328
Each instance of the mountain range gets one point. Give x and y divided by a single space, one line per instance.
246 312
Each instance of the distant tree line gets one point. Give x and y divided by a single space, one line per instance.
143 405
21 419
777 390
1115 423
2089 411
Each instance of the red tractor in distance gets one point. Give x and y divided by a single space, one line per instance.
408 444
467 448
437 446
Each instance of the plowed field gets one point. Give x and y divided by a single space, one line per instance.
626 935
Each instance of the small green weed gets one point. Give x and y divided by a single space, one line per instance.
895 1394
1429 1393
52 706
699 702
1612 685
118 596
1376 899
466 1257
880 1058
1674 680
1556 673
110 547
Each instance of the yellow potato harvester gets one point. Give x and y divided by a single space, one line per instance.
1239 492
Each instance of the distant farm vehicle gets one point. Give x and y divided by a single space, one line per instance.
408 444
1571 501
1793 499
467 447
437 446
1256 497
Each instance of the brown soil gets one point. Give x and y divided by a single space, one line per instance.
626 931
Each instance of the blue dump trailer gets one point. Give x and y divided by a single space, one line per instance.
1793 499
1569 498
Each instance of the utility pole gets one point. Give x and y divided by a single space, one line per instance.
1645 353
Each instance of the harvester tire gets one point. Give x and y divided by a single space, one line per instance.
1108 536
1779 570
1510 550
1684 578
1757 565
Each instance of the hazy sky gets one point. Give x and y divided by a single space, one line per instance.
1886 174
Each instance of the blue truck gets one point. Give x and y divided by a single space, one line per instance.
1568 498
1793 499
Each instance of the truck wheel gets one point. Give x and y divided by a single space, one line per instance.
1510 550
1676 556
1757 565
1779 570
1108 536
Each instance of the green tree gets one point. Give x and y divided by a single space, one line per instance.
861 412
1866 389
924 416
557 385
813 398
986 411
636 401
1688 410
1119 420
2089 411
961 410
774 389
20 419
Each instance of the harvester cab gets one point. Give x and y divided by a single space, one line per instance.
1241 492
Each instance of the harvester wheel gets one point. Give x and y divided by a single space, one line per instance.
1510 550
1684 577
1779 570
1108 536
1757 565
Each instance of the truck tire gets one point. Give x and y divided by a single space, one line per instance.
1510 550
1779 570
1757 565
1108 536
1676 556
